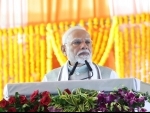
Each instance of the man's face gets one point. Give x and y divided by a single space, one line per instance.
78 47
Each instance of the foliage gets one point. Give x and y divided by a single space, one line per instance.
79 100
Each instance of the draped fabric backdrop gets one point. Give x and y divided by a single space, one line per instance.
23 12
31 30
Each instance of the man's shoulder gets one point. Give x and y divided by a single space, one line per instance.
107 72
105 68
53 74
54 71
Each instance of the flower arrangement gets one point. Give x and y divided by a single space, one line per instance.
79 100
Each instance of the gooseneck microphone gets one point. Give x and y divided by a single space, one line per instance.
73 69
90 69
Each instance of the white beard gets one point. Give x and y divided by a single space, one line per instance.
81 58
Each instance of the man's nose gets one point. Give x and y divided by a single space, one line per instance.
84 45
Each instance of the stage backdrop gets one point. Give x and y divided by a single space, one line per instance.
31 30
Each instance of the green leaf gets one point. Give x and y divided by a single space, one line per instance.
126 108
119 107
80 108
2 110
69 109
17 95
25 105
59 91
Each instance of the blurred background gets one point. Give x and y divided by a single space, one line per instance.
31 30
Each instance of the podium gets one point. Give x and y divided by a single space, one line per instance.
98 84
106 85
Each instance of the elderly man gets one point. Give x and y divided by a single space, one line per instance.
77 46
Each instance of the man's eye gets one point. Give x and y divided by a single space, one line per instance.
77 42
87 42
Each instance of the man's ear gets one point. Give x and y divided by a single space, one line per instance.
63 49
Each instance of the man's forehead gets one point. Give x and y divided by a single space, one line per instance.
80 39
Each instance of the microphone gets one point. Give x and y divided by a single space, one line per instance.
73 69
90 69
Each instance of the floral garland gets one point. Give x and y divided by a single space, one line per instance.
79 100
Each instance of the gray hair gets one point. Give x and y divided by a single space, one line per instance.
65 35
